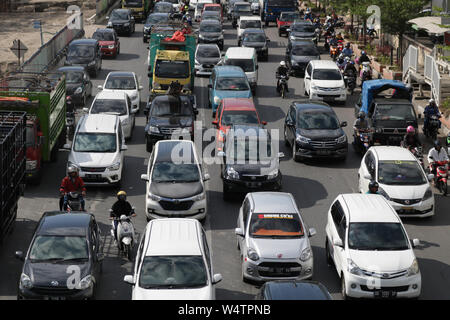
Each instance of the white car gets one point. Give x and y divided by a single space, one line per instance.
116 103
173 262
273 238
98 149
127 82
368 245
324 81
174 187
402 180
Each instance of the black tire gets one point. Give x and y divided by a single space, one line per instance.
225 193
294 156
129 252
286 142
148 144
266 23
443 187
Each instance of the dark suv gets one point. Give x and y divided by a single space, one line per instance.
64 260
210 31
122 21
86 53
298 54
249 161
313 130
256 38
169 115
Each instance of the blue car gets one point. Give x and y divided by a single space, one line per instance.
227 82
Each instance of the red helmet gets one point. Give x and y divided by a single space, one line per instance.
410 129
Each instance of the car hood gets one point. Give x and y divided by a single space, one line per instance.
321 134
405 192
93 159
233 94
43 273
128 92
207 60
211 35
119 21
272 248
328 83
303 34
174 122
254 44
106 43
263 168
176 190
393 123
304 58
382 261
173 294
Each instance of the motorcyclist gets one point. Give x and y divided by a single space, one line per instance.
436 154
341 61
347 51
363 58
373 187
411 139
339 37
71 183
308 15
119 208
350 69
333 40
187 18
282 71
430 110
361 123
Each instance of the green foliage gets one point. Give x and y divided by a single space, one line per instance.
395 14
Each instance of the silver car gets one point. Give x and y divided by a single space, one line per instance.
273 239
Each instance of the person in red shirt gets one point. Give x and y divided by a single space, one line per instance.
71 183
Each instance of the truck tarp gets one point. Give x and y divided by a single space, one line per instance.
371 88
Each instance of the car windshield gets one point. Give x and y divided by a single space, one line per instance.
243 7
232 84
305 51
246 150
109 106
208 52
302 28
59 248
377 236
395 112
246 64
317 120
230 117
250 24
80 51
172 69
74 77
263 225
211 15
163 7
119 15
173 272
172 107
95 142
120 83
210 28
103 36
155 18
290 17
327 74
400 173
254 37
175 172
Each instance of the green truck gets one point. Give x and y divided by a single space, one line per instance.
171 61
43 97
139 8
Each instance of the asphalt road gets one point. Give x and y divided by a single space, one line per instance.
314 185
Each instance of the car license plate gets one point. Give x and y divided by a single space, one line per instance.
323 152
55 298
93 176
280 270
385 294
253 184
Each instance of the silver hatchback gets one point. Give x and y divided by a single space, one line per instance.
273 239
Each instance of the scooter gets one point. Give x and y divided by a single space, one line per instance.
431 130
441 176
350 82
366 72
73 202
334 52
125 234
283 85
365 140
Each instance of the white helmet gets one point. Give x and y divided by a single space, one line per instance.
431 101
282 63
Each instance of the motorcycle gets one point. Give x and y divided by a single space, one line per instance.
350 82
283 85
371 32
366 72
441 176
125 234
70 118
365 140
73 202
334 52
340 46
431 130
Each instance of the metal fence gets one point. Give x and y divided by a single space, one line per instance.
410 60
52 51
431 73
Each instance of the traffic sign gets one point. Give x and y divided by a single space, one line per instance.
19 49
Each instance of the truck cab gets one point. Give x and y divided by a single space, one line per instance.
139 8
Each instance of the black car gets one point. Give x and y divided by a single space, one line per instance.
211 15
153 19
293 290
122 21
240 8
169 115
302 30
249 161
313 130
63 261
256 38
78 84
210 31
85 53
298 54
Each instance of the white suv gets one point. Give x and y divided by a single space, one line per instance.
98 149
324 81
367 243
173 262
127 82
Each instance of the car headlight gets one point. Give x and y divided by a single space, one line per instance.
201 36
154 197
84 283
383 193
414 269
91 63
115 166
133 96
153 129
217 100
273 174
378 130
78 90
156 86
25 281
306 254
232 174
111 46
342 139
302 139
314 88
428 194
126 24
252 255
109 24
353 268
200 197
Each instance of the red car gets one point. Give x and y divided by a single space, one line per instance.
109 42
285 20
234 111
213 7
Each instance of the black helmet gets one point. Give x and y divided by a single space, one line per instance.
437 144
373 184
347 45
361 115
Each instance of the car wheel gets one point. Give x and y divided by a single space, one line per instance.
225 193
148 145
279 33
286 142
294 156
328 254
244 279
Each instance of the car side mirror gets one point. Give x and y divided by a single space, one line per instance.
367 176
100 256
430 177
312 232
338 243
129 279
206 177
19 255
343 124
217 278
141 88
144 177
209 86
124 148
308 78
67 146
239 232
415 243
100 87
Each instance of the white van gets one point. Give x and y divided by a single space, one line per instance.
199 8
247 22
247 59
98 149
